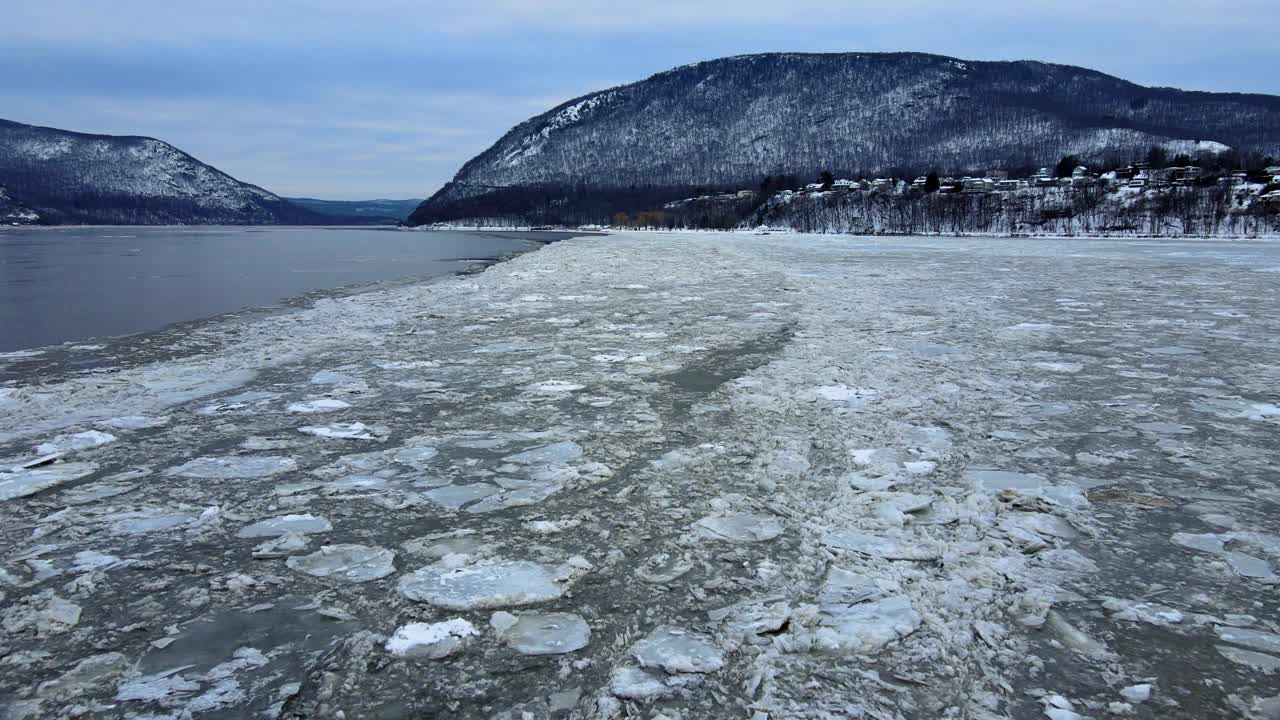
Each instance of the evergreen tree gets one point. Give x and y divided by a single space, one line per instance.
826 179
931 183
1066 166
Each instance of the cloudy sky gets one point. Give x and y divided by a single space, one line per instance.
387 98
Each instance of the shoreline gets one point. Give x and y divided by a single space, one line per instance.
66 353
962 474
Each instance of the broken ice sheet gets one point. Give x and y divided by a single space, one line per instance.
455 497
865 627
542 633
344 431
234 467
881 547
561 453
677 650
285 524
78 441
739 527
430 640
312 407
487 584
21 483
352 563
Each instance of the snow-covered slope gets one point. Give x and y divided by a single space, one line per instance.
70 177
13 212
731 122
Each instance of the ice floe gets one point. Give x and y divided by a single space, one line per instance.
486 584
23 482
284 525
542 633
234 467
348 562
431 640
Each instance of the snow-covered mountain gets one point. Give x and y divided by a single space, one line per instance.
70 177
728 123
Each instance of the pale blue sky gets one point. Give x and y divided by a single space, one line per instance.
387 98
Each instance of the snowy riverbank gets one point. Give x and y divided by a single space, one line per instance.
715 475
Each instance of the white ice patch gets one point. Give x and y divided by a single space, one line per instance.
677 650
341 431
879 547
561 453
234 467
323 405
135 422
488 584
455 497
555 387
546 634
21 483
285 524
77 441
352 563
430 640
739 527
865 627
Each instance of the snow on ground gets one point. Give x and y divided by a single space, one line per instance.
680 476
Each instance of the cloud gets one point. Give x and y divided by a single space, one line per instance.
390 97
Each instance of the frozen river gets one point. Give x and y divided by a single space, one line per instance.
70 284
681 476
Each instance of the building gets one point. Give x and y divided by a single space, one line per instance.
998 175
974 186
1010 185
1080 171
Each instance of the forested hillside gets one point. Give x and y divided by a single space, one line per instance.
70 177
727 124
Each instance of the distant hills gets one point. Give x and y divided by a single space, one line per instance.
729 123
69 177
360 212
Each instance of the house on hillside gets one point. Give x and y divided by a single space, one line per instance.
998 175
975 186
1043 178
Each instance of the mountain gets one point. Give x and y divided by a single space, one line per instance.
729 123
71 177
360 212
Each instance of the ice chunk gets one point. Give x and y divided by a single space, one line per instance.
530 495
546 634
455 497
739 527
663 568
561 453
1254 639
341 431
1248 566
234 467
489 584
21 483
843 587
352 563
867 627
149 520
995 480
1261 661
330 377
135 422
874 546
430 640
88 675
323 405
282 546
554 387
1136 693
149 688
632 683
677 650
78 441
285 524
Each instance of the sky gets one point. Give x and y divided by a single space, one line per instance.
388 98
